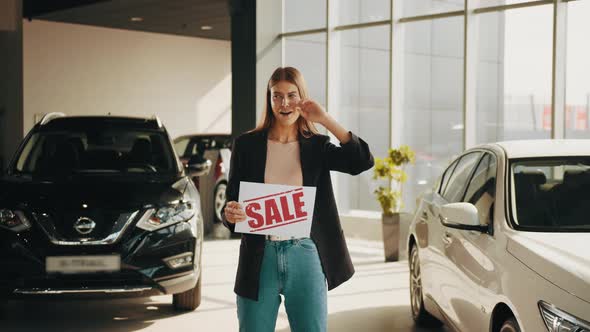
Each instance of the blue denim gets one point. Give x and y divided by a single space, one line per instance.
291 268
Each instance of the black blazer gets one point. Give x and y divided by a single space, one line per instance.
318 158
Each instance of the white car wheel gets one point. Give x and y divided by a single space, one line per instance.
219 200
510 325
419 313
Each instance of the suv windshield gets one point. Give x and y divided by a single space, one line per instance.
96 149
551 194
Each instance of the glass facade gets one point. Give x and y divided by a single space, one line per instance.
577 93
363 105
508 91
429 7
363 11
433 98
514 75
307 53
303 15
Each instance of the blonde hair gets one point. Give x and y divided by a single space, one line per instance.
289 74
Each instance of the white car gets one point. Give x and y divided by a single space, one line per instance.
502 241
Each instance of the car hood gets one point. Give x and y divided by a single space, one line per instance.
561 258
95 192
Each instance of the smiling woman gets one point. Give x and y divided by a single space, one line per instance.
287 149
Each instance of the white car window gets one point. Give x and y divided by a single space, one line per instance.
446 176
551 194
458 180
481 189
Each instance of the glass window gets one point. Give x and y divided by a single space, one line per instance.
577 112
514 74
456 186
492 3
180 146
446 177
432 99
96 148
481 191
363 106
427 7
551 194
363 11
304 15
308 54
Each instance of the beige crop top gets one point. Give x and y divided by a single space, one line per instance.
283 164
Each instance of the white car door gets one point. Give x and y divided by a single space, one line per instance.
428 231
452 286
465 250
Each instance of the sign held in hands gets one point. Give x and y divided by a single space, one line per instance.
273 209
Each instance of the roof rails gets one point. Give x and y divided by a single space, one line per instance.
50 116
157 119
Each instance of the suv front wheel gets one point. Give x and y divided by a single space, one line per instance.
188 300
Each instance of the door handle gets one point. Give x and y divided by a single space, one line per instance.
424 216
447 238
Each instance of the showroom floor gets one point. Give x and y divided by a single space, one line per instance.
375 299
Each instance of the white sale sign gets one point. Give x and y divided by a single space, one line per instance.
273 209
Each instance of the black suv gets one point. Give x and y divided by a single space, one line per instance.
99 205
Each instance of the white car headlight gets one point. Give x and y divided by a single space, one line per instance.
558 320
15 221
165 216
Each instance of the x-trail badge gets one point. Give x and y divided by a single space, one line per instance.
84 225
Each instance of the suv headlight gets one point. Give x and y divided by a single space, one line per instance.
165 216
15 221
558 320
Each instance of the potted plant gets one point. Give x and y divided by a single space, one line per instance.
392 169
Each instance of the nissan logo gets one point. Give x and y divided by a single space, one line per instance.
84 225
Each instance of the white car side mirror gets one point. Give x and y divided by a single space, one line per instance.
460 213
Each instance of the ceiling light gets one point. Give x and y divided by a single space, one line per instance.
206 27
136 19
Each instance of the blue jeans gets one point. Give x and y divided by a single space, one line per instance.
291 268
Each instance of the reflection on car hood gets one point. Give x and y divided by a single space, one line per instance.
561 258
95 192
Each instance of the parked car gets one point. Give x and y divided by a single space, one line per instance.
500 242
216 148
100 205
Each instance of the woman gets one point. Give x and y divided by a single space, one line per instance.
287 149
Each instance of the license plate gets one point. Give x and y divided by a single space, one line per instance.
82 264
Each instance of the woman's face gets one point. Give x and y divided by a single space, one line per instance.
283 97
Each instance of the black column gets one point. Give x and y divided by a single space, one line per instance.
243 51
11 78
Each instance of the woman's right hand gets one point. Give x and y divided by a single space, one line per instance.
234 212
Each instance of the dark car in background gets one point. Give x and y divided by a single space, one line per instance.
213 150
100 205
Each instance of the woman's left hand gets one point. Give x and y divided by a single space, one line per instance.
312 111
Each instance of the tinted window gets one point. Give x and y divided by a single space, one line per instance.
96 149
481 191
201 144
180 146
552 194
445 178
456 186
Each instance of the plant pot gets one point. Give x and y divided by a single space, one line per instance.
391 233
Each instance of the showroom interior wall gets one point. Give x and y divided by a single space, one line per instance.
86 70
441 76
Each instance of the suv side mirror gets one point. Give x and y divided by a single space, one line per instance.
198 166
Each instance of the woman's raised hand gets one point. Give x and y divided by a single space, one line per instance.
234 212
311 111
